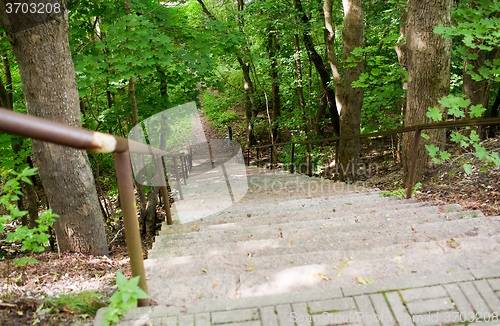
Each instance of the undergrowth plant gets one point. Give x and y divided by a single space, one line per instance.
400 192
124 299
31 240
457 106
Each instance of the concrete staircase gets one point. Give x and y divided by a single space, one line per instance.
292 233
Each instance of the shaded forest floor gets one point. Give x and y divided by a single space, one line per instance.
443 183
33 294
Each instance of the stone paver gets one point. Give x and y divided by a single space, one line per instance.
300 309
474 298
399 310
428 306
459 299
365 307
423 293
382 310
488 295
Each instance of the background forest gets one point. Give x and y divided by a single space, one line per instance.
273 70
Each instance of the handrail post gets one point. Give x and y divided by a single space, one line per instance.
336 176
127 204
416 142
292 168
272 156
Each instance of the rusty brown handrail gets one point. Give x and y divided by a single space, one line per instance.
417 128
37 128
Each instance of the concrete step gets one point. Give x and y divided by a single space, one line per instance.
168 289
419 213
329 237
278 212
242 261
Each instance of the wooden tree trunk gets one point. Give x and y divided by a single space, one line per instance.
320 67
275 86
429 57
403 60
48 77
350 118
332 57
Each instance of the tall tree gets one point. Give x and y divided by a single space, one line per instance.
429 58
49 82
319 65
350 116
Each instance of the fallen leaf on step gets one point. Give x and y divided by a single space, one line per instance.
400 272
326 278
251 269
368 280
350 257
214 285
202 200
339 274
361 280
204 271
281 215
453 243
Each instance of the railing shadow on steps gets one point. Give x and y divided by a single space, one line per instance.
53 132
416 128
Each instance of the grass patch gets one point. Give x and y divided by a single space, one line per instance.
81 303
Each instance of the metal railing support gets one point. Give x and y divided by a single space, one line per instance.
292 167
44 130
127 204
337 145
272 156
416 143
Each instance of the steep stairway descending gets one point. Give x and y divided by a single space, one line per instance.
292 233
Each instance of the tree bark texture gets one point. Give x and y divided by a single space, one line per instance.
49 83
332 57
350 117
320 67
429 57
273 47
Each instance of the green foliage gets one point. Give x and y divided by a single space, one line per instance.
477 25
124 299
32 240
458 106
400 192
80 303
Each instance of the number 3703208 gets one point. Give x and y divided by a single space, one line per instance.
470 317
32 8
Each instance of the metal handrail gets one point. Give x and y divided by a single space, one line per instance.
417 128
37 128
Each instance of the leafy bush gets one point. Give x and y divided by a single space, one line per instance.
32 240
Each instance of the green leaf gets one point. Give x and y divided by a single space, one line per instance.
457 112
425 136
444 155
432 149
434 114
476 111
467 168
121 280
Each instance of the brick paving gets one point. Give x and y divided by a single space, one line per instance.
462 300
